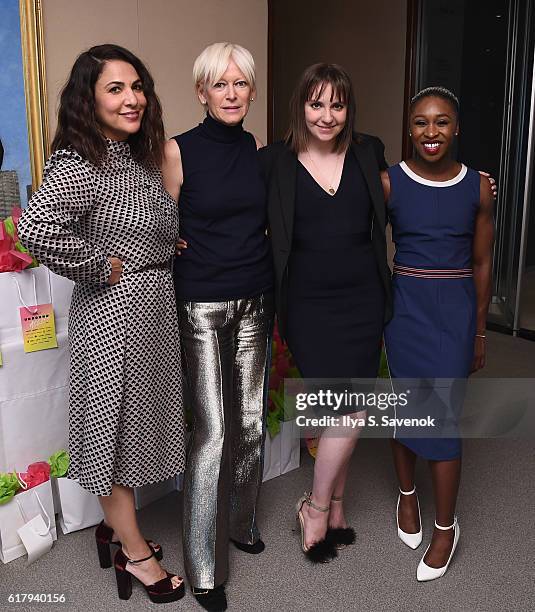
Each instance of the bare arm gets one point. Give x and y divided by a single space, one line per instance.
385 180
172 174
482 265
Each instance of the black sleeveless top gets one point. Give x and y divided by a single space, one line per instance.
223 216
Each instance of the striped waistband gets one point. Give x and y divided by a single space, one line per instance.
423 273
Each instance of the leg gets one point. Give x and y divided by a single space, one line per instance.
336 513
207 346
446 476
405 463
332 459
252 340
120 513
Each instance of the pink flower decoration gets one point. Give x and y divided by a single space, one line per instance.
37 473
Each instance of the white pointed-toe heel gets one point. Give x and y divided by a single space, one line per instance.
424 572
412 540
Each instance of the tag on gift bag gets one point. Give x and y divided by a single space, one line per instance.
38 324
38 328
35 533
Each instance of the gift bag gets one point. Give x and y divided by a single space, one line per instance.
78 508
143 496
33 386
282 452
33 502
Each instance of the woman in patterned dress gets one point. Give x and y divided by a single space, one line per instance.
103 219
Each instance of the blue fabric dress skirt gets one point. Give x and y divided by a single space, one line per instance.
430 339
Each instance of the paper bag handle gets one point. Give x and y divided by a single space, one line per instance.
25 518
28 308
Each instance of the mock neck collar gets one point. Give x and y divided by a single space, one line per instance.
221 132
120 148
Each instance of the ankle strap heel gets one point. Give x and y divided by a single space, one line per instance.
452 526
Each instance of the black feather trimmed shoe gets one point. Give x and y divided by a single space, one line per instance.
253 549
213 600
322 551
340 536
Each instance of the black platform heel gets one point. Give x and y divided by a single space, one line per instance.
159 592
103 537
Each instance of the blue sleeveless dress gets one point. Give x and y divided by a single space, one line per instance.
431 335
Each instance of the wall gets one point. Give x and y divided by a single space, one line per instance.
366 37
167 35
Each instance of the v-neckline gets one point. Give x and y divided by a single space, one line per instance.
325 191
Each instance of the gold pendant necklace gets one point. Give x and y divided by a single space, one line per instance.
331 190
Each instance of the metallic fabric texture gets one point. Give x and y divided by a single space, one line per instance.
225 348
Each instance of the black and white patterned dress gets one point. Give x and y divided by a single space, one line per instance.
125 414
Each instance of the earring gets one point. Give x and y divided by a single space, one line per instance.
251 100
410 133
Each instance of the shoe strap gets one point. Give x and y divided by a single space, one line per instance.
336 498
408 492
446 528
136 561
310 503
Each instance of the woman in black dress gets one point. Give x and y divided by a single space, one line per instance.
327 225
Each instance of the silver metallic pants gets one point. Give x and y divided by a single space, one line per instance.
226 348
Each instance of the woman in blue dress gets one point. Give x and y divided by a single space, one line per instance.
442 222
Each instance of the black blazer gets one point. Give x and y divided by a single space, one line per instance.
279 165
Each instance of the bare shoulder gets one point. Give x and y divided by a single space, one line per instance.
172 174
172 151
385 180
259 143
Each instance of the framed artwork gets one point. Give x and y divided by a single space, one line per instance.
23 112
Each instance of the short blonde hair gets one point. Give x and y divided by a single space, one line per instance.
213 61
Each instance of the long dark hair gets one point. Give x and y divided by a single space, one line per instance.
312 84
77 124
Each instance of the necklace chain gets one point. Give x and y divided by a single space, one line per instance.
331 188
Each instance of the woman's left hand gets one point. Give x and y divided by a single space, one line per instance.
479 354
492 182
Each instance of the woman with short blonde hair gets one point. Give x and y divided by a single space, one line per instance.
213 62
223 281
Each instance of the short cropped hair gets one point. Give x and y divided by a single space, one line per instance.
214 60
436 92
311 85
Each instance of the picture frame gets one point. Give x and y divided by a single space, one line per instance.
24 116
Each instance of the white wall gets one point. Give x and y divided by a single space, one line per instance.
167 35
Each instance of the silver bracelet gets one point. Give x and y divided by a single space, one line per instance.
481 336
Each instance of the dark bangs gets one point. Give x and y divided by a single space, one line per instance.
311 86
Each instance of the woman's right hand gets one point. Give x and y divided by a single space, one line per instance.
180 245
116 270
